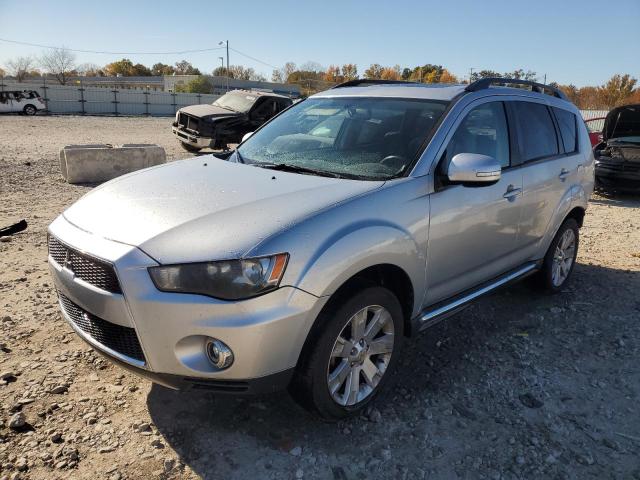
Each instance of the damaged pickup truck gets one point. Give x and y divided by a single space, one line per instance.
226 120
617 166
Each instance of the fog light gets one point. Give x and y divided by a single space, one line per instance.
219 354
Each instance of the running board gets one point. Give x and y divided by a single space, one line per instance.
438 312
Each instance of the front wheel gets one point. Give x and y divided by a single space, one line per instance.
351 359
30 110
560 258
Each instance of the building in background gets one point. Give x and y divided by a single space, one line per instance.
166 83
220 85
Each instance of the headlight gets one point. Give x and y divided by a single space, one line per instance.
227 279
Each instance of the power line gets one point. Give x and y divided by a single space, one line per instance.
181 52
254 58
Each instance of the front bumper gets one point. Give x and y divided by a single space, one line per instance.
192 139
621 175
266 333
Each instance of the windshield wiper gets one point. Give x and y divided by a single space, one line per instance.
227 108
239 156
285 167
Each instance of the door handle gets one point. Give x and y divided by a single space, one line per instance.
564 173
512 192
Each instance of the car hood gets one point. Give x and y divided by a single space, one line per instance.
209 112
205 208
622 122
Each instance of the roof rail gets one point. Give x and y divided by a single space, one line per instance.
484 83
366 81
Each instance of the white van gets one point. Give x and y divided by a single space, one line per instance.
25 101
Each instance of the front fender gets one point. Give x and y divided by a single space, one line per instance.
385 226
357 247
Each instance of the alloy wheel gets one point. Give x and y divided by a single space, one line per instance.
360 355
563 257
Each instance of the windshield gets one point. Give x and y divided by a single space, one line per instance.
236 101
364 138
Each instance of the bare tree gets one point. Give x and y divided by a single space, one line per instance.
59 62
276 76
19 67
89 70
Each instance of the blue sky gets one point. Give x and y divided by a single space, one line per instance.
580 42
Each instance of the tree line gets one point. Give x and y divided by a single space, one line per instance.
311 77
620 89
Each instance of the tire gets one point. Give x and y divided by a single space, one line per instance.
189 148
329 361
30 110
559 260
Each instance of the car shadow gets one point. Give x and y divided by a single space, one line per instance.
616 200
218 436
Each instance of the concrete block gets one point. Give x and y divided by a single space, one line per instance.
102 162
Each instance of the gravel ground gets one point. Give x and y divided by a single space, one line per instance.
518 386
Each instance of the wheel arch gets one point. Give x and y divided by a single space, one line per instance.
576 213
386 275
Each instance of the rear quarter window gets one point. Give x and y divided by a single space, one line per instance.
567 123
536 132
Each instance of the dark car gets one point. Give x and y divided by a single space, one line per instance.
618 155
227 119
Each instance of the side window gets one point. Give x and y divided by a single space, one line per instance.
281 105
266 109
484 130
536 131
567 123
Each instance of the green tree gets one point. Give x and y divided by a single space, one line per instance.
185 68
162 69
200 84
485 74
349 72
374 72
122 67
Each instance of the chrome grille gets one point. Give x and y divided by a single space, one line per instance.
116 337
92 270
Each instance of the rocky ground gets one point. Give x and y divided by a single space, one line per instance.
518 386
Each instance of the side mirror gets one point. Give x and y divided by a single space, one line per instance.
473 168
246 136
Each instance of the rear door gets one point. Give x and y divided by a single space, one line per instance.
549 158
19 101
5 102
473 233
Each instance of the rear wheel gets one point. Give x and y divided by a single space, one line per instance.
560 258
30 110
351 358
189 148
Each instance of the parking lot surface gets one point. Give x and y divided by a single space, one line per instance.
520 385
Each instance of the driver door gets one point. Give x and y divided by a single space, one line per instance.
474 230
264 109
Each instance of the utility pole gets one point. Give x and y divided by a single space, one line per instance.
470 74
226 42
228 70
545 78
223 70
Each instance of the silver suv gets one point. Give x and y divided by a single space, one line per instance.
348 223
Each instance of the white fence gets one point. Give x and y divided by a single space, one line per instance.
589 114
123 101
110 101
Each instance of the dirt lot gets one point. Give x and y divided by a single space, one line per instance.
518 386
